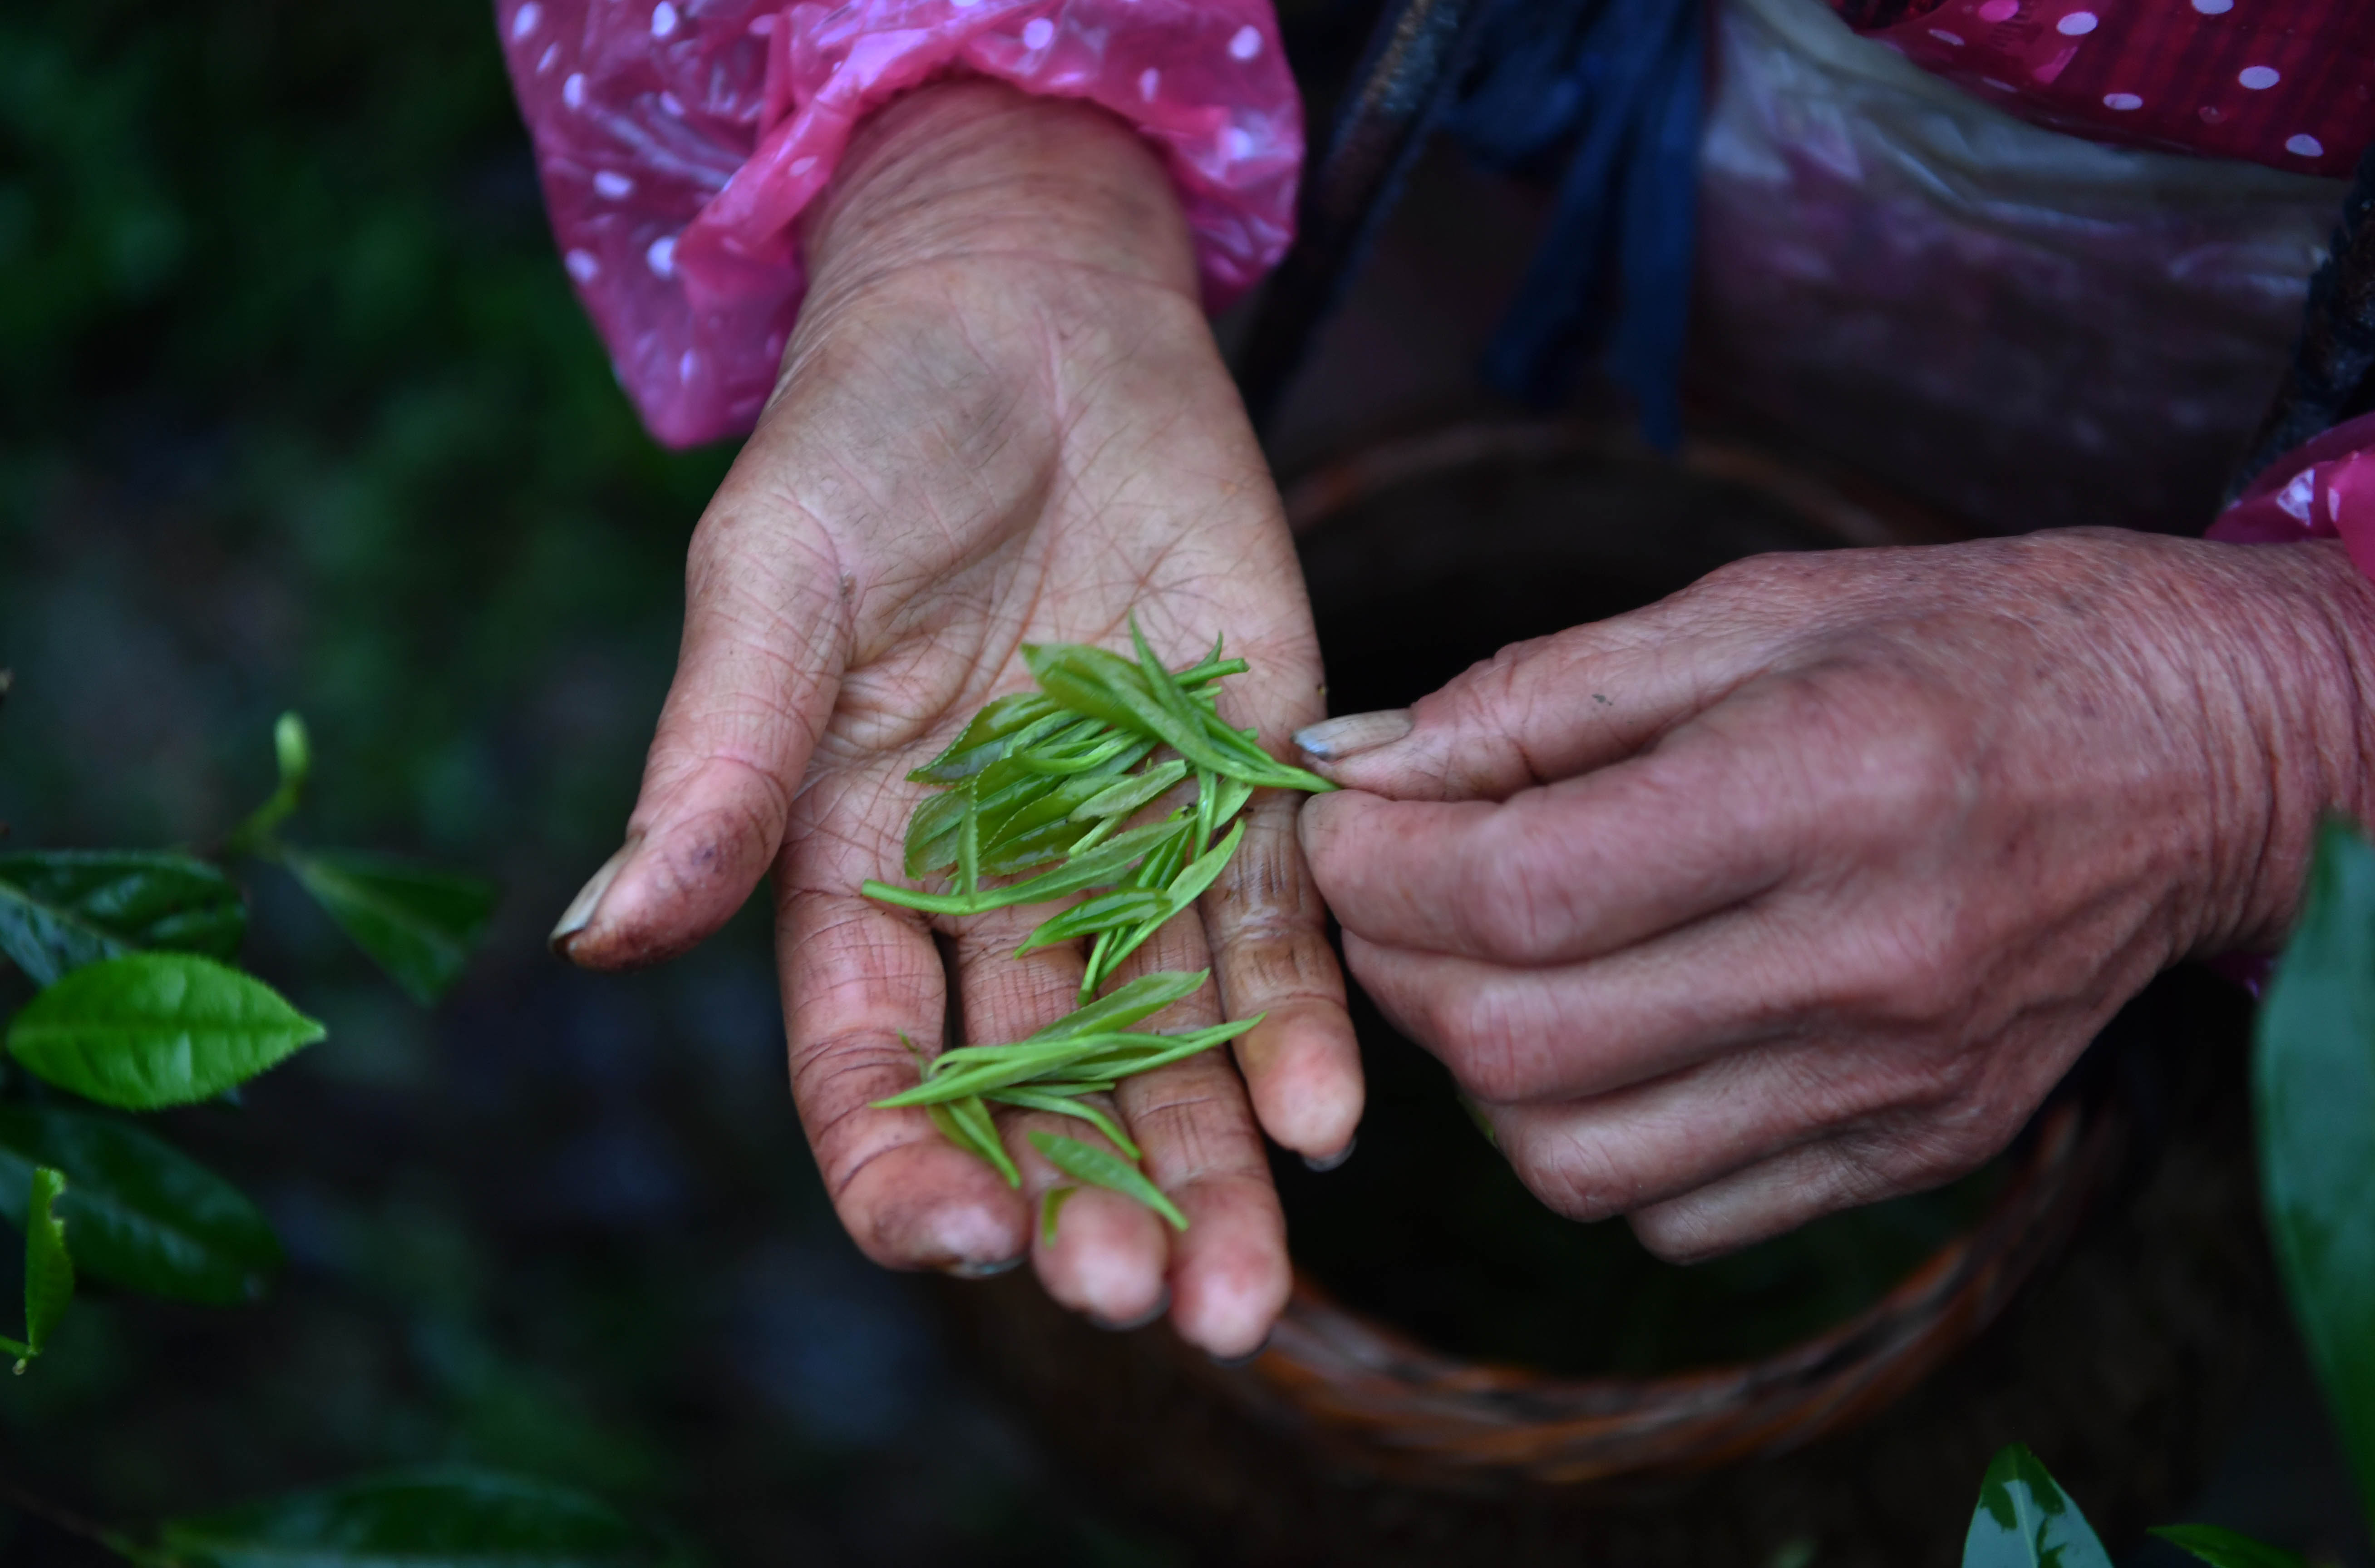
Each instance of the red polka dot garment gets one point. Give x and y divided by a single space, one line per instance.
2288 83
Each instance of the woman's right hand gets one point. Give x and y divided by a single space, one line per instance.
1001 420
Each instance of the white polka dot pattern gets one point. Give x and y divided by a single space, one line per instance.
675 175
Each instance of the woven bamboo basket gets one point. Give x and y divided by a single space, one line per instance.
2106 1306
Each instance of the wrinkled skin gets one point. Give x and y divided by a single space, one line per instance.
1001 420
1801 889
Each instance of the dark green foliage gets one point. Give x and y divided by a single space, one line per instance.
452 1517
2025 1521
62 909
146 1216
154 1029
2225 1549
2313 1085
419 924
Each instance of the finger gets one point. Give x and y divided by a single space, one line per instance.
1229 1269
1109 1258
1776 1196
1553 707
1573 869
854 975
1635 1014
767 630
1267 929
1641 1145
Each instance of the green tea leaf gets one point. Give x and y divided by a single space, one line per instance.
49 1268
1159 1050
991 733
1140 789
932 830
2313 1086
2024 1521
418 923
2225 1549
152 1030
980 1132
447 1518
1051 1203
1024 1099
1094 869
1101 1168
1123 906
145 1215
1181 889
62 909
1141 998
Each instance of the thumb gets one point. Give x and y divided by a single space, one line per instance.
766 634
1539 711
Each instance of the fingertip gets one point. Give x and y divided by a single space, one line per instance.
671 886
1301 1065
1106 1261
928 1205
1230 1288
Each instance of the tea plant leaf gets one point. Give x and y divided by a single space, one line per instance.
980 1132
1121 798
1065 1105
1100 1168
2024 1521
2313 1087
418 923
49 1268
447 1518
1141 1000
145 1215
62 909
292 754
2225 1549
1183 889
152 1030
1123 906
1051 1203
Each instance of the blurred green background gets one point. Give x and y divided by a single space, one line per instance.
297 411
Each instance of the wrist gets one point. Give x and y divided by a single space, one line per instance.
2287 647
970 171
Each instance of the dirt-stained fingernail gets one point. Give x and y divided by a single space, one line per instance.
588 902
1332 740
984 1270
1332 1161
1161 1304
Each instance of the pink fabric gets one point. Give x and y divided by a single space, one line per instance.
679 140
2321 490
2280 82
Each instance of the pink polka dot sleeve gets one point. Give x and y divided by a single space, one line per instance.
2279 82
2321 490
678 141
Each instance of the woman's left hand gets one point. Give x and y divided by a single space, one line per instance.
1799 890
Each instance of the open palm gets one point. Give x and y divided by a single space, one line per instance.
987 436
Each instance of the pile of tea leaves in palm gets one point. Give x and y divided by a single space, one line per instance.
1076 788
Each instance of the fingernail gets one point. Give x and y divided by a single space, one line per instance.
984 1270
580 912
1161 1304
1332 740
1331 1162
1247 1359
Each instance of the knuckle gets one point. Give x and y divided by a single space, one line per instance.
1481 1034
1575 1178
